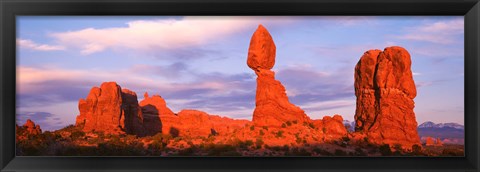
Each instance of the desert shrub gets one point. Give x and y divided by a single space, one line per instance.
299 152
311 125
248 142
259 142
305 123
360 152
452 152
397 147
262 133
77 135
289 123
385 150
295 121
186 152
324 130
298 140
279 134
321 151
252 128
417 150
265 128
339 152
284 125
222 150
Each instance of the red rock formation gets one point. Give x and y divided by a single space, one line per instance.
385 90
111 110
272 105
132 118
438 142
157 116
334 127
197 123
31 128
430 141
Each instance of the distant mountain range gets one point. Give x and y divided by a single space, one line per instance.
449 133
430 124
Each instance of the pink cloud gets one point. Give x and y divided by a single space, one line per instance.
157 34
442 32
25 43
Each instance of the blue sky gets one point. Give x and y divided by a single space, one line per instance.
200 62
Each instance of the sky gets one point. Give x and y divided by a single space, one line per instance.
197 62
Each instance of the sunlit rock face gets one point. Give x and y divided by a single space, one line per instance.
32 128
272 105
111 110
385 91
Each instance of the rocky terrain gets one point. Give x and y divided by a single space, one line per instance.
112 120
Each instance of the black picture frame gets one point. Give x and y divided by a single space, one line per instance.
11 8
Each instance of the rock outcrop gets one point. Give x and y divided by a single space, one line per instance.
272 105
429 141
385 91
333 127
111 110
438 142
157 116
31 128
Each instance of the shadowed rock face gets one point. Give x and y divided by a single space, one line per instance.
385 90
111 110
157 116
272 105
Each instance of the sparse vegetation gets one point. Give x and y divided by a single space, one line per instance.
71 141
279 134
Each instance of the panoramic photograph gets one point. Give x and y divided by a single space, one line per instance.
252 86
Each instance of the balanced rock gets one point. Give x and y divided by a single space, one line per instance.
272 105
111 110
385 90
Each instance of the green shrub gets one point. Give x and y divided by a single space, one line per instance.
339 152
289 123
259 142
385 150
417 150
360 152
77 135
279 134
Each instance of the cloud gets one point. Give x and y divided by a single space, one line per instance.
174 70
25 43
47 121
151 35
441 32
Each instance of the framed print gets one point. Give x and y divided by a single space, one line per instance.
251 85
